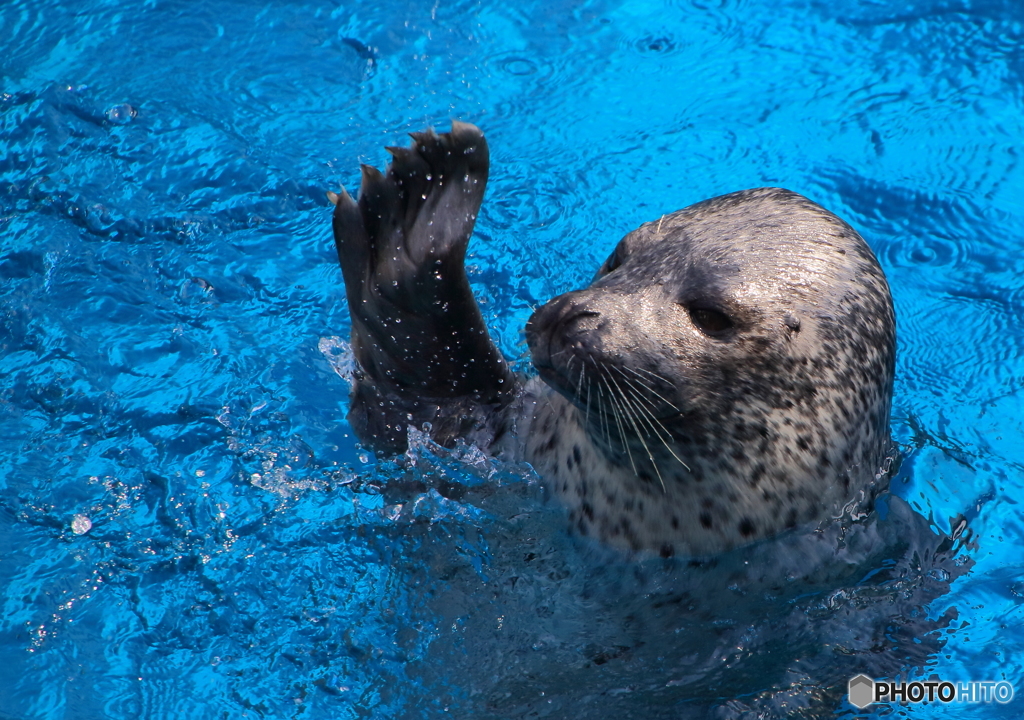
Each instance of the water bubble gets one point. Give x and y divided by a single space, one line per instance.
121 114
80 524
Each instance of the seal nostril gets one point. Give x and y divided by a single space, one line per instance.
568 329
573 318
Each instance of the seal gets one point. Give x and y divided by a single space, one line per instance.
726 376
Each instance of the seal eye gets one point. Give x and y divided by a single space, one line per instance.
709 321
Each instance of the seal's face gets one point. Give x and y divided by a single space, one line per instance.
745 341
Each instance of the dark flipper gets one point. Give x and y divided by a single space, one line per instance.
422 347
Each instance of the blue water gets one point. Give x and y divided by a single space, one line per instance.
188 528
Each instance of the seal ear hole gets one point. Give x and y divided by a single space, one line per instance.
710 321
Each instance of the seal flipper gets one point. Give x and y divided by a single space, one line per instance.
418 336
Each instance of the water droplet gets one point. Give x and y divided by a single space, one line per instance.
80 525
121 114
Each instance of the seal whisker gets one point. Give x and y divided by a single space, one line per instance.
652 374
587 419
583 369
639 395
635 391
640 437
628 397
606 410
652 420
652 390
579 380
654 423
664 440
636 376
601 411
618 423
617 417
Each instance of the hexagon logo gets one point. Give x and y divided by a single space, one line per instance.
862 691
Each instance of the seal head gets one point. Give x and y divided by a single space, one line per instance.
730 371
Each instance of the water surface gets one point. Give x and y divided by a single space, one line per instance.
189 528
